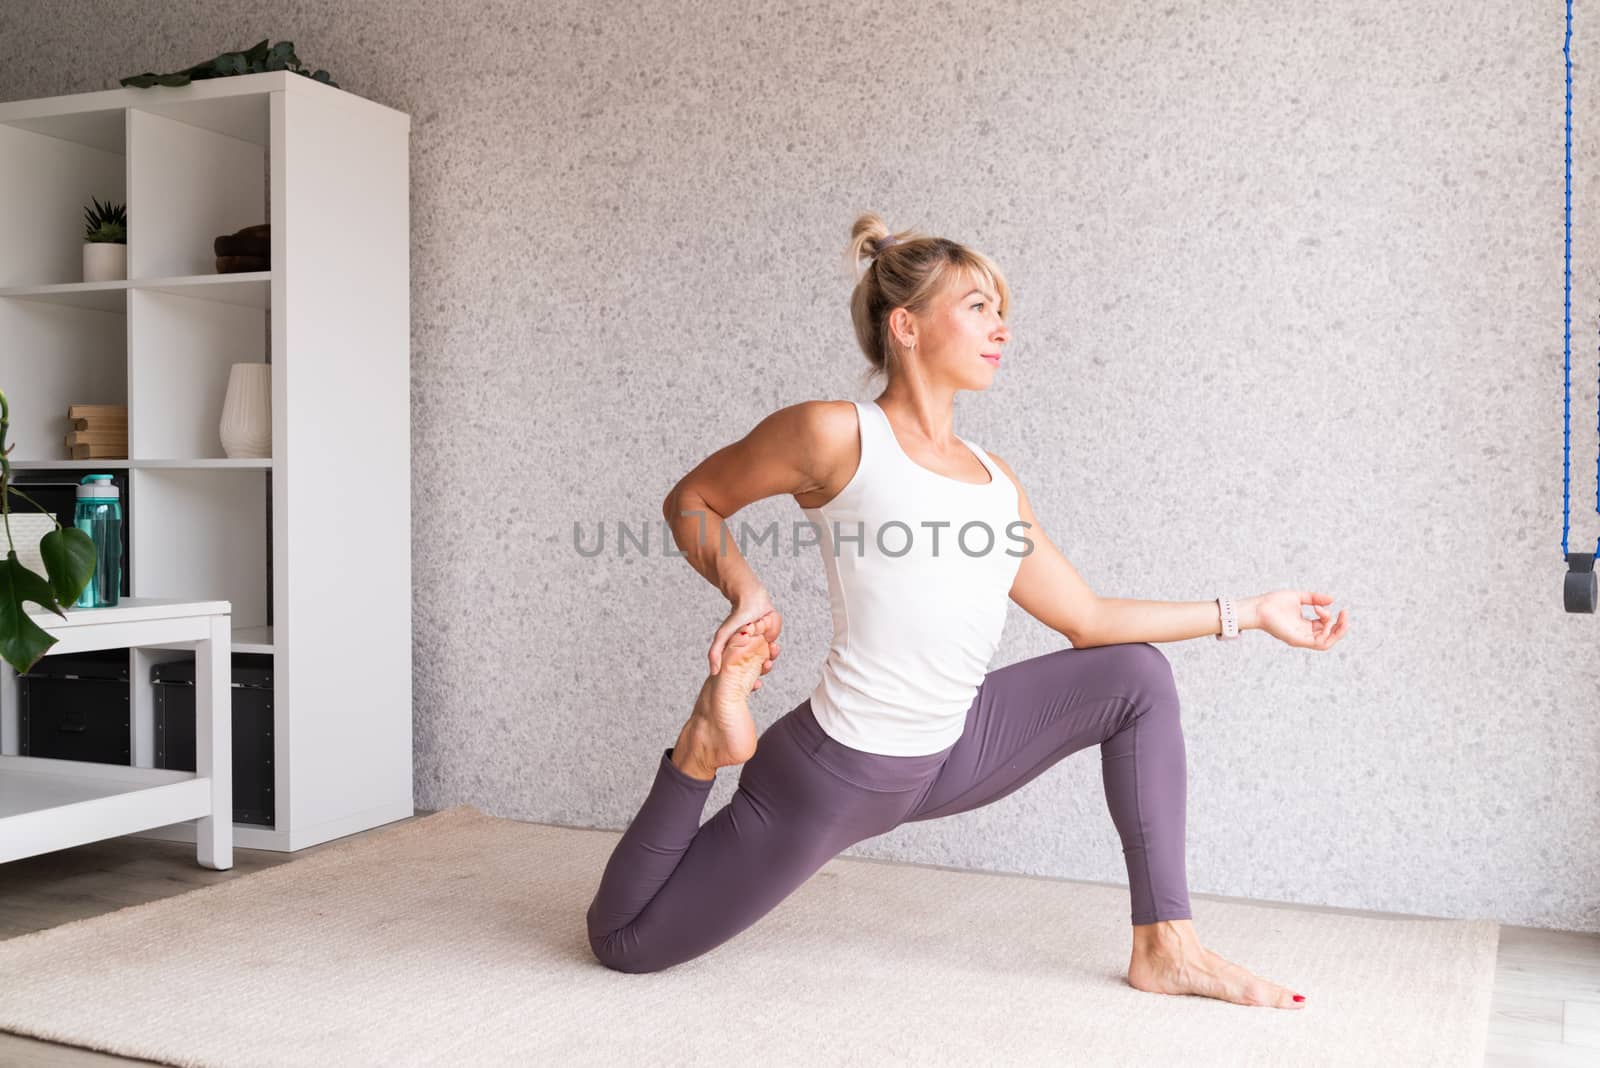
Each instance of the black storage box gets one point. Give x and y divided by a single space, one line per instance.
173 683
74 706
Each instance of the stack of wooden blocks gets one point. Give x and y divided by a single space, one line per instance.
99 431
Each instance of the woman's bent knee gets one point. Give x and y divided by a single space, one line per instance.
1151 671
608 952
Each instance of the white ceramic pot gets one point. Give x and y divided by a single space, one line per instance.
246 426
104 261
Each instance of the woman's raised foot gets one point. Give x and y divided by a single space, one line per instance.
721 731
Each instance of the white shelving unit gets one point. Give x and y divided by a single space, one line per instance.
311 547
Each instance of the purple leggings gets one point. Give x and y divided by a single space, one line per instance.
674 889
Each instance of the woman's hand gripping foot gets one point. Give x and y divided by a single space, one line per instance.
720 730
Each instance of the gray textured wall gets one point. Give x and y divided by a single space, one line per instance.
1288 314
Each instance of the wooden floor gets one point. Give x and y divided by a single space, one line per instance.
1546 990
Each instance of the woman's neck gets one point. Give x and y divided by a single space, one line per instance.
926 412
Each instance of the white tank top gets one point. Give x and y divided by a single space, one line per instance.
919 567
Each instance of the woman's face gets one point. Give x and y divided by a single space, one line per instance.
959 339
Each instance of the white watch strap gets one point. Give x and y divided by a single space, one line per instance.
1230 619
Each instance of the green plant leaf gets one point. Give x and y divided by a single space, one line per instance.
106 222
262 56
69 559
22 641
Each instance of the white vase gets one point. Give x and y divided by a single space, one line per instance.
246 426
104 261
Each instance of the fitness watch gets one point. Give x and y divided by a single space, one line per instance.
1230 620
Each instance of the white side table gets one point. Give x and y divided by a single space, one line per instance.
48 804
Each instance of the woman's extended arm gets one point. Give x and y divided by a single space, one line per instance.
1120 620
1049 588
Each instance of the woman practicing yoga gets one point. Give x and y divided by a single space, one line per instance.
923 536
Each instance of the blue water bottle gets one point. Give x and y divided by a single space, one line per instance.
99 515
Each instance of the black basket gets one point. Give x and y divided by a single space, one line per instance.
74 706
173 683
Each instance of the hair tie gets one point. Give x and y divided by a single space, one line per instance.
884 242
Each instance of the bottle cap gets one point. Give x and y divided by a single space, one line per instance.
97 488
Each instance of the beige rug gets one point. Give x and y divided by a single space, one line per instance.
458 939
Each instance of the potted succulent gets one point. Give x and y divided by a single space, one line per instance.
105 242
69 560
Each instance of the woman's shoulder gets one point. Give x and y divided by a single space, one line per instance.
831 427
824 420
826 435
827 407
816 427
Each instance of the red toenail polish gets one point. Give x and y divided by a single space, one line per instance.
1299 997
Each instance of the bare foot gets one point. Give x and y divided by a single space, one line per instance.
720 730
1169 959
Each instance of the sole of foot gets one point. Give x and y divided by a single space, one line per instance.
721 731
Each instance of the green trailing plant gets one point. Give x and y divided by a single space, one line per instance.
106 222
69 562
254 60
